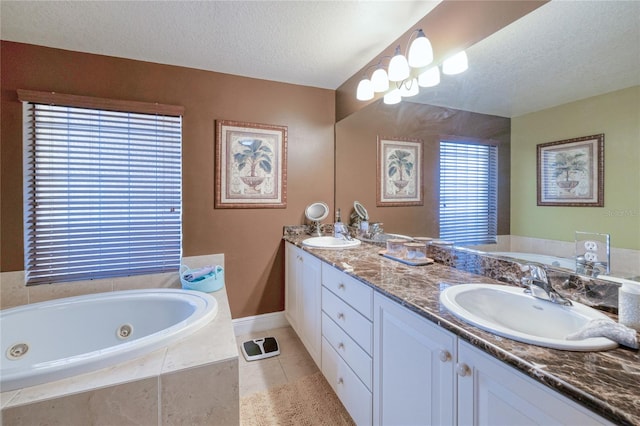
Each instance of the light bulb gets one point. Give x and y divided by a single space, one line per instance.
429 78
380 80
365 90
398 67
456 64
393 97
420 51
409 88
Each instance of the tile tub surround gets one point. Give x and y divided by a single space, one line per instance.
625 263
193 381
13 291
606 382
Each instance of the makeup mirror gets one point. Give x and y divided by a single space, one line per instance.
316 212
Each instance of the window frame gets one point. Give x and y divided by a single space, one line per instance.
136 117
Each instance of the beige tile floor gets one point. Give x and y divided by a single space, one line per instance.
293 362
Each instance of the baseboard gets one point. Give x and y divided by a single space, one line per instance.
257 323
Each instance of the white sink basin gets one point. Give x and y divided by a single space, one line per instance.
510 312
330 243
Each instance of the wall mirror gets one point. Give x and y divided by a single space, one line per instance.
510 95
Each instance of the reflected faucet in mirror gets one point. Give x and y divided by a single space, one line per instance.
538 285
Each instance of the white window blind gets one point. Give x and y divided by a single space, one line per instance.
102 193
468 192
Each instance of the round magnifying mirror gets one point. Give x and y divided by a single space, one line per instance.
317 211
360 210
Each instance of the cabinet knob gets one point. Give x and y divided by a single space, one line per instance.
463 370
340 315
340 381
444 355
340 345
341 286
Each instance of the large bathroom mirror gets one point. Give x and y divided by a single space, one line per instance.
565 70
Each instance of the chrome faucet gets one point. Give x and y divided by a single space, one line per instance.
538 285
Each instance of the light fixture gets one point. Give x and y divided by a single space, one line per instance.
393 97
365 90
420 51
455 64
380 80
398 67
430 77
408 72
409 88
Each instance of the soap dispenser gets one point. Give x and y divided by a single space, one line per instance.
340 229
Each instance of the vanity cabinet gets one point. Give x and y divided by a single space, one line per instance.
391 366
347 341
425 375
302 298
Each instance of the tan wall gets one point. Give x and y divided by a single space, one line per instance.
356 153
249 238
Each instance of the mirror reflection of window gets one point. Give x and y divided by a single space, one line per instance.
468 192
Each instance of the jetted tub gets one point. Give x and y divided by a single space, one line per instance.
48 341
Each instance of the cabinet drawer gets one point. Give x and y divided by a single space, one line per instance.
355 325
352 291
354 395
351 353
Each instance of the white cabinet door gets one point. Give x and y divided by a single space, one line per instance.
291 278
413 380
302 297
309 307
492 393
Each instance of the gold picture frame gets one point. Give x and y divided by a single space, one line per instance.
251 165
570 172
399 179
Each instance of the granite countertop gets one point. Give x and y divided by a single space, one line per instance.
606 382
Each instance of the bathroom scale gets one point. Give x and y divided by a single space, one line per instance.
256 349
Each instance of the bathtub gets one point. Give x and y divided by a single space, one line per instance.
48 341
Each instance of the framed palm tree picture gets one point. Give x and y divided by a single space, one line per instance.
399 172
251 165
571 172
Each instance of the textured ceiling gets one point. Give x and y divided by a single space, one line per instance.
312 43
561 52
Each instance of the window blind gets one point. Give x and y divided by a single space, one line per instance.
468 192
102 193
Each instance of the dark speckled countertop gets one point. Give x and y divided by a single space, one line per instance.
607 382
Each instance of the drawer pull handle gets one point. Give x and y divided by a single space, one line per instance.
341 286
463 370
340 381
445 355
340 345
340 315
